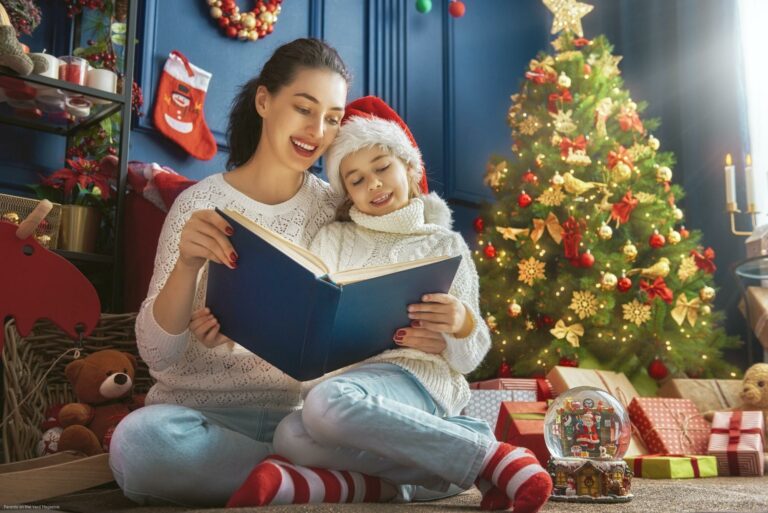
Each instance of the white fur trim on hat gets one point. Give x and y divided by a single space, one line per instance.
366 132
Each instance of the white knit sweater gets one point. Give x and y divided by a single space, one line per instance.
189 373
421 229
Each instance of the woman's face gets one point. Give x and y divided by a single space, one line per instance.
376 181
301 120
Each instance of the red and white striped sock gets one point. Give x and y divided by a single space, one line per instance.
516 472
278 481
493 498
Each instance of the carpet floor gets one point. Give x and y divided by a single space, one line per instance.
721 494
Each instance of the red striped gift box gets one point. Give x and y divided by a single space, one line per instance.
737 442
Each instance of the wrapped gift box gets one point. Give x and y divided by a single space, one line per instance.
656 466
485 404
670 426
523 424
615 383
706 394
542 387
737 442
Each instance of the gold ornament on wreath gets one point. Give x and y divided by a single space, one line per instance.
514 309
251 25
707 294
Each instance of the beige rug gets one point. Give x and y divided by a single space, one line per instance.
721 494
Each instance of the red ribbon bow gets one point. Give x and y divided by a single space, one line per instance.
580 143
564 96
622 210
541 76
622 155
705 262
630 121
571 238
657 289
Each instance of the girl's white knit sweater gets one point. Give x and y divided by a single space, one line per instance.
186 371
421 229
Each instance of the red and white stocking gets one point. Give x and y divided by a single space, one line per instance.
179 106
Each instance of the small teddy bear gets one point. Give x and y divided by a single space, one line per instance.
754 392
102 382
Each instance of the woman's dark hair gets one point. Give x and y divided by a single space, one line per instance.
244 130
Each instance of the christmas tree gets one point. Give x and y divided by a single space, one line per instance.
584 258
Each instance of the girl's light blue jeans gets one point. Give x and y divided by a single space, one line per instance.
378 419
170 454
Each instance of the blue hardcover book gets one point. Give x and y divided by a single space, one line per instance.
283 304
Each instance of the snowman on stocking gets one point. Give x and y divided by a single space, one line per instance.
179 106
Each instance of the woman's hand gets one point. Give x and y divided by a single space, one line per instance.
421 339
206 328
440 313
205 237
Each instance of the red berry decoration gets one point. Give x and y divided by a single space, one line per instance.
457 8
568 362
657 240
479 224
657 370
587 259
505 371
490 251
624 284
530 177
523 200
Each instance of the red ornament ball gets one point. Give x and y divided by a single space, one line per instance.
478 224
524 200
490 251
568 362
587 259
505 371
530 177
683 232
624 284
457 9
657 370
657 240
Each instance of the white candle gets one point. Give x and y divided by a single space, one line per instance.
730 184
750 184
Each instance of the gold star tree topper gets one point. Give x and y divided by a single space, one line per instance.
568 14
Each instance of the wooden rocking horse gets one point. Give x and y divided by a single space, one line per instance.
36 283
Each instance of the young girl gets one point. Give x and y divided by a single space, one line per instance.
214 407
395 416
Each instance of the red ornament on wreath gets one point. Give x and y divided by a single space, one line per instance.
251 25
524 200
683 232
657 240
624 284
657 370
490 251
478 224
587 259
530 177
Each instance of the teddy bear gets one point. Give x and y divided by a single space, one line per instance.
754 392
103 384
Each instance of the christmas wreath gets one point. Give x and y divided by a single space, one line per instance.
247 26
24 15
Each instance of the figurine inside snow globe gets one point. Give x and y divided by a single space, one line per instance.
587 432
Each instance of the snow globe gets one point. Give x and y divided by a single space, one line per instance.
587 432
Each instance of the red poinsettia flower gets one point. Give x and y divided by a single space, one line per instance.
86 173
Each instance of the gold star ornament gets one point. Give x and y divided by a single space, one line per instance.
568 14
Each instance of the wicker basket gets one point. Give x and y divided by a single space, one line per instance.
16 208
25 361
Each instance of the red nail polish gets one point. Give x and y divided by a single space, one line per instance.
400 334
229 230
233 257
416 324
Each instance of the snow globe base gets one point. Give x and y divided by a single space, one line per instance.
590 480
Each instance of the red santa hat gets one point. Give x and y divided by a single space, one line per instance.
370 122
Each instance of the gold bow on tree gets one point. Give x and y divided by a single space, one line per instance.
686 309
551 224
570 333
510 233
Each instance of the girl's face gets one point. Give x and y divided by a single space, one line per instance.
301 120
376 181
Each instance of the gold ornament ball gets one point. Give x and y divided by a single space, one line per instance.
243 34
514 310
249 22
707 294
558 179
630 251
653 143
677 214
621 172
266 17
609 281
705 309
673 237
253 35
564 80
236 17
11 217
213 2
216 13
43 239
605 232
663 174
